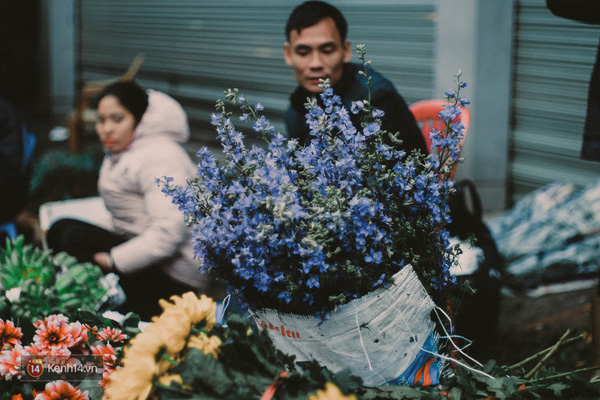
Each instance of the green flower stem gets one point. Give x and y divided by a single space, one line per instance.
563 374
169 359
199 331
541 353
549 354
360 49
173 389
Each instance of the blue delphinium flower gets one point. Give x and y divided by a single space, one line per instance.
304 229
371 129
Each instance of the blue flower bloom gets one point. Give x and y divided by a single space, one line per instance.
378 113
371 129
374 257
449 113
357 106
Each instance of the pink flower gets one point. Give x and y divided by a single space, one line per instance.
10 362
9 334
53 331
61 390
79 333
111 335
108 354
58 319
34 351
109 360
56 355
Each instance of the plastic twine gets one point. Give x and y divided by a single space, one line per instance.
449 337
270 392
457 348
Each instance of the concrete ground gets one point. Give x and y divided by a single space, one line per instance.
528 325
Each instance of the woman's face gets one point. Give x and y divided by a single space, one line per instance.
115 124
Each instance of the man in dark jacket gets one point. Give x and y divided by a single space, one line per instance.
587 11
317 48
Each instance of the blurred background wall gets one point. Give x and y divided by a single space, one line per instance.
527 70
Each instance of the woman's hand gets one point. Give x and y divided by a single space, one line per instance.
104 260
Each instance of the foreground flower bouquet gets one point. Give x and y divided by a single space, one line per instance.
312 230
183 354
61 358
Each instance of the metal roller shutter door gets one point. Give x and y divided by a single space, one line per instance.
197 49
553 62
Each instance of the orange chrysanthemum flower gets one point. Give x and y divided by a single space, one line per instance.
111 335
58 319
109 361
10 362
61 390
55 331
108 354
79 334
10 335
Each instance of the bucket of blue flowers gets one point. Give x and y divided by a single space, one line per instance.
334 246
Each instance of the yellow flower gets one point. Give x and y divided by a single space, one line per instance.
135 379
208 345
174 328
197 309
147 343
166 335
168 379
331 392
132 382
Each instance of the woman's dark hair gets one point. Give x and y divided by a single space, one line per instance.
130 95
310 13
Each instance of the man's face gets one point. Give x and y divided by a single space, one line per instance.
317 52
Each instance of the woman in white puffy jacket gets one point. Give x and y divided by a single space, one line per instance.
149 246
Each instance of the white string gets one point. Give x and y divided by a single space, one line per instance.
457 362
361 342
469 343
225 302
450 338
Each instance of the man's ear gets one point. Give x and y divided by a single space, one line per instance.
347 52
287 53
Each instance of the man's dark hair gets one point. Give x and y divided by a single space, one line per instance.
310 13
130 95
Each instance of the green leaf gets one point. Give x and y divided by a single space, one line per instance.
391 392
93 388
557 388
